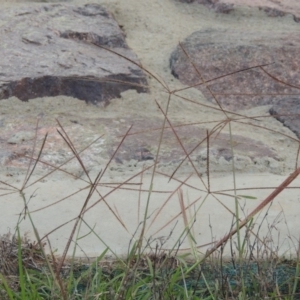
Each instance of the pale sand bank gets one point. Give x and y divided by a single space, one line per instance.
282 218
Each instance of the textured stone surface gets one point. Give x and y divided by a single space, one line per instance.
216 53
288 113
216 5
51 50
278 8
84 123
143 138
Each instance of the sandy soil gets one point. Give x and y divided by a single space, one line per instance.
153 29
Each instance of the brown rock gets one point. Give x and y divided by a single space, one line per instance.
216 53
51 50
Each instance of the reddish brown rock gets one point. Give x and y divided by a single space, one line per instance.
51 50
216 53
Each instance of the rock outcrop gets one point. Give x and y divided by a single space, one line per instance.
141 145
240 55
288 113
216 5
278 8
55 49
84 124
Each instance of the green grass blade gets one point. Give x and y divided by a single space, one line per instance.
20 265
7 288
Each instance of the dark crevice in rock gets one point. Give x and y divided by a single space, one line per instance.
273 12
288 113
91 10
91 90
89 37
215 5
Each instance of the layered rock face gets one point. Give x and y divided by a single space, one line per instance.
56 49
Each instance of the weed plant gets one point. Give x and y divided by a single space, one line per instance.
150 271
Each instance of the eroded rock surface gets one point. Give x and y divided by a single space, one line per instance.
20 133
278 8
288 113
216 5
51 50
240 55
144 137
